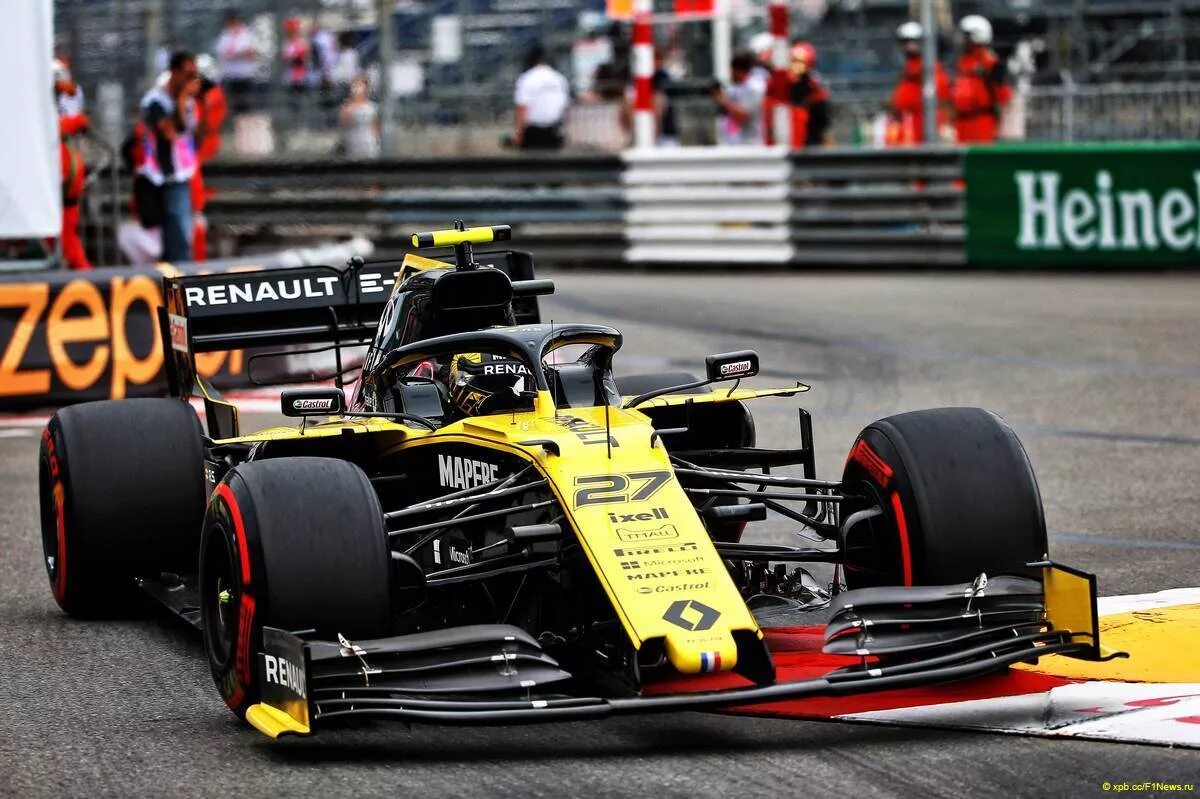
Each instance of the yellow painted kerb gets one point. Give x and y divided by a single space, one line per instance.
1163 645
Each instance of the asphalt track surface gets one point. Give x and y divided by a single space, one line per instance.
1100 375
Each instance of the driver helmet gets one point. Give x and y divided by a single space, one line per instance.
482 383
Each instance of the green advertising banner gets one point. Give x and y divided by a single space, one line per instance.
1083 205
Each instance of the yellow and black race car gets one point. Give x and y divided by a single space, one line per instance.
494 528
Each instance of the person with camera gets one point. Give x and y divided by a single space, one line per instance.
741 106
168 157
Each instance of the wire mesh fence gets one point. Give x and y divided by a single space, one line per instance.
1154 112
455 62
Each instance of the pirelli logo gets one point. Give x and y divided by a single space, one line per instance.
641 552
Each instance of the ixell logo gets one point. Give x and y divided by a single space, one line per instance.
1103 216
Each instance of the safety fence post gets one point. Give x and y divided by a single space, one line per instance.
781 115
644 123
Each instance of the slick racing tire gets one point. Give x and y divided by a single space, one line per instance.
297 544
958 498
121 494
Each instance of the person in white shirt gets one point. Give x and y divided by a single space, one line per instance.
542 96
345 67
741 105
237 61
359 119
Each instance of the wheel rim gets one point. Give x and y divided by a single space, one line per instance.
220 597
869 544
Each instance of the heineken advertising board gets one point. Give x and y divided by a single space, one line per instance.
1125 205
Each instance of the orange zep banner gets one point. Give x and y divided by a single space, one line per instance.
619 9
68 337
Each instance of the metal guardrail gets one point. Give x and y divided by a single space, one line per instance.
766 206
708 205
701 205
902 206
567 208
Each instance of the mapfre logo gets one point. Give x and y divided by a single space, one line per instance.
455 472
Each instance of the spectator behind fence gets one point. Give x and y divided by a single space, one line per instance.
295 57
980 89
908 103
741 106
811 112
211 110
542 96
213 107
346 68
72 122
324 59
168 156
666 125
762 45
237 57
359 119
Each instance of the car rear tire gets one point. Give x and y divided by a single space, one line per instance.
297 544
958 496
121 493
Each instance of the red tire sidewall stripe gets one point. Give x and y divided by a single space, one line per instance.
59 584
246 608
60 567
239 529
869 459
902 529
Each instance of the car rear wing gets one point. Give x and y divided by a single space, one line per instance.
313 306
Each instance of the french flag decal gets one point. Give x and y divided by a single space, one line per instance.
710 661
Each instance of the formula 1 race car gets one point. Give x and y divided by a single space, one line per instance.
495 528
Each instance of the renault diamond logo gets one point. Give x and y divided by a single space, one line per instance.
699 616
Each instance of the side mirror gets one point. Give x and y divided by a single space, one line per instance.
312 401
731 365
